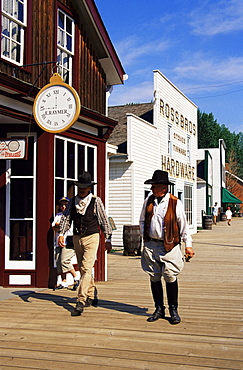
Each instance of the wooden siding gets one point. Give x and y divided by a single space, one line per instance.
126 193
201 202
91 87
120 201
173 97
88 76
144 151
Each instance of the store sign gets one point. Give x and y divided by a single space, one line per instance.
14 148
178 169
177 118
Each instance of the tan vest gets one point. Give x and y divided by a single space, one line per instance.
171 228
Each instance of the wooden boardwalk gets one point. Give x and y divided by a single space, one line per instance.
38 332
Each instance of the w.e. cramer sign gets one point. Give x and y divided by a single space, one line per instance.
14 148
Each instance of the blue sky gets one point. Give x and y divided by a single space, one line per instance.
196 44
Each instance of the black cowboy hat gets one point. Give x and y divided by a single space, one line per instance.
159 177
84 180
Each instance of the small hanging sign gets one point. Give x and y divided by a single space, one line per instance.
14 148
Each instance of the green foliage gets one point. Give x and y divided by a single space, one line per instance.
209 133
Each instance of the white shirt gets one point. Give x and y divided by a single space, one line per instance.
156 229
215 210
57 220
228 214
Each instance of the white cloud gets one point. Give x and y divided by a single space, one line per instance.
202 69
140 93
132 48
217 17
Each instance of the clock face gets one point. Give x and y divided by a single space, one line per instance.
56 108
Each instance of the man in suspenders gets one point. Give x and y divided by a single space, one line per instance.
88 215
163 225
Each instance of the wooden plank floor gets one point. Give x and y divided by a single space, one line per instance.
38 332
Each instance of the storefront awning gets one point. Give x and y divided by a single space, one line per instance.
228 197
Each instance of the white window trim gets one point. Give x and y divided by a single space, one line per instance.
77 142
169 139
72 35
185 198
188 148
23 26
63 48
20 265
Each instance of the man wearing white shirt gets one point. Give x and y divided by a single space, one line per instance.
163 225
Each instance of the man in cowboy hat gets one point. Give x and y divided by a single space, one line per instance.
88 215
163 225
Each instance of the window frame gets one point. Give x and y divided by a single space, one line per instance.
23 32
188 203
63 49
65 178
20 264
188 148
169 138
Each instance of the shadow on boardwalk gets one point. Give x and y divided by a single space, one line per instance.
38 332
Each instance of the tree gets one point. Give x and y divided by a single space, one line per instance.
233 168
209 133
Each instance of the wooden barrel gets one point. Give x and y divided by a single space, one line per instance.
131 240
223 217
207 222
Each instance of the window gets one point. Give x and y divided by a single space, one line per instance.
14 22
188 148
71 158
169 140
180 195
188 203
65 45
20 209
172 188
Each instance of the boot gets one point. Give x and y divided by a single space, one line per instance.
159 313
92 301
174 316
157 292
78 309
172 297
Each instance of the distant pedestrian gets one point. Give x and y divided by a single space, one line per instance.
228 215
215 213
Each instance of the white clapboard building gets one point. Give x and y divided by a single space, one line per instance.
157 135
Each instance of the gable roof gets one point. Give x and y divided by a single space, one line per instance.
118 113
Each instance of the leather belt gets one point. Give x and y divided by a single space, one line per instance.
156 240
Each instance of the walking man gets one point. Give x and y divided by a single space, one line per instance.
88 215
163 225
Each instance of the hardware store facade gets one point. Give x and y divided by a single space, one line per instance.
158 135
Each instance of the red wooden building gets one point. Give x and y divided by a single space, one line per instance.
39 38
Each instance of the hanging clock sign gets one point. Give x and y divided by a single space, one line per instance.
56 106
